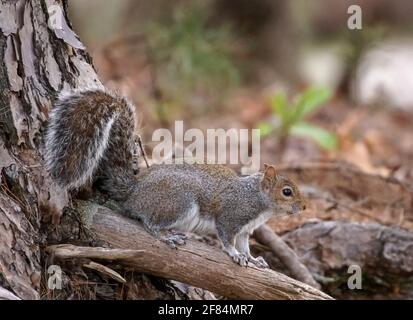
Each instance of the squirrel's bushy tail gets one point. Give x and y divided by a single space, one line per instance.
87 130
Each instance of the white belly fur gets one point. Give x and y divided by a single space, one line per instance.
193 222
257 222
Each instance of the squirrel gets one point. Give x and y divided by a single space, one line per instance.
90 133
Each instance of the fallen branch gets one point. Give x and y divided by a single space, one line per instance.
195 263
288 257
384 254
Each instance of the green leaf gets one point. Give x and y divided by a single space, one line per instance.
325 139
308 101
265 129
278 103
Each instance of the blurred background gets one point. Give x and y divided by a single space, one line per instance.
240 63
321 93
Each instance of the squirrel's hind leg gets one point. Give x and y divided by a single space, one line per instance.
170 237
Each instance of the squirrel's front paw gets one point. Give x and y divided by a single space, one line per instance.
174 239
259 262
241 259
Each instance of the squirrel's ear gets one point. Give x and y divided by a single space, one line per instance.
269 175
266 165
270 172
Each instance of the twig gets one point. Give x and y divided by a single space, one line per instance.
143 152
288 257
105 270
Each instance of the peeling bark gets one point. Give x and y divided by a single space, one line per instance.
36 61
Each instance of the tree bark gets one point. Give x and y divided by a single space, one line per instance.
38 59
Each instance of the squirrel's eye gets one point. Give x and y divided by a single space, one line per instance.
287 192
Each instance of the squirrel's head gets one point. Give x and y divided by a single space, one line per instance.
284 193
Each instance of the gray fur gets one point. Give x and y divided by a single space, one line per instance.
84 130
91 132
188 198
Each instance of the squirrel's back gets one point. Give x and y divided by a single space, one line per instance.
87 130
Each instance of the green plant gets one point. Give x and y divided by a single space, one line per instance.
192 54
291 117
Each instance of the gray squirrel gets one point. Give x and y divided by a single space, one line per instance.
91 132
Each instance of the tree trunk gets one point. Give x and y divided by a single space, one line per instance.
40 55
